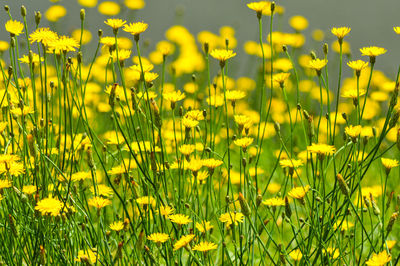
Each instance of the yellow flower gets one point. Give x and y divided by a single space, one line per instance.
357 65
244 142
389 164
234 95
222 54
14 27
296 254
340 32
99 202
258 6
212 163
109 8
290 163
115 23
183 241
396 30
179 219
49 206
274 202
12 168
86 36
5 184
231 218
88 3
29 189
321 149
353 131
343 226
86 256
54 13
204 226
146 200
117 226
4 46
166 210
379 259
281 78
298 23
135 28
102 190
43 35
205 246
189 123
135 4
317 64
299 192
173 97
372 52
63 44
352 93
158 237
333 253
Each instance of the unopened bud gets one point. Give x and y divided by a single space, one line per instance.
23 11
82 14
38 17
244 205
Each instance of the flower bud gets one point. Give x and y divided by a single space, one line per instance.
38 17
244 205
82 14
23 11
343 185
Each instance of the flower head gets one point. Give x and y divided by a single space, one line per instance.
274 202
396 30
43 35
205 246
86 256
281 78
179 219
204 226
231 218
321 149
158 237
317 64
340 32
183 241
299 23
222 55
372 52
99 202
63 44
299 192
379 259
357 65
14 27
117 226
136 28
49 206
389 164
115 23
353 132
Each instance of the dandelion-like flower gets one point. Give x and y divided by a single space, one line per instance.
205 246
372 52
357 66
222 55
299 193
231 218
340 32
115 23
296 254
396 30
136 28
117 226
259 7
204 226
50 206
317 64
321 149
379 259
158 237
353 132
99 202
180 219
14 27
183 241
274 202
43 35
86 256
389 164
280 78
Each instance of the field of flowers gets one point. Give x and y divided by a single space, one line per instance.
119 151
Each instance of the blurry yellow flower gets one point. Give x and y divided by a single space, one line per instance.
86 36
117 226
166 210
183 241
299 192
135 28
158 237
63 44
321 149
296 254
379 259
298 23
258 6
281 78
222 54
179 219
102 190
234 95
109 8
4 183
14 27
340 32
86 256
186 149
4 46
88 3
204 226
274 202
35 59
54 13
343 226
231 218
49 206
333 253
290 163
318 35
353 131
205 246
396 30
29 189
135 4
244 142
115 23
352 93
146 200
389 164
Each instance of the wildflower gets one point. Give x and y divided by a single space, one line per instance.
344 226
109 8
180 219
5 184
86 36
173 97
396 30
296 254
379 259
353 132
234 95
115 23
80 176
54 13
299 193
158 237
231 218
352 93
299 23
29 189
43 35
102 190
117 226
14 27
290 163
259 7
189 123
222 55
204 226
212 163
49 206
244 142
136 28
63 44
135 4
86 256
317 64
35 59
389 164
280 78
357 66
321 149
333 253
340 33
146 200
13 168
372 52
205 246
166 210
88 3
183 241
274 202
99 202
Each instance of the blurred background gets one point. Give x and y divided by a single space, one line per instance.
371 21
